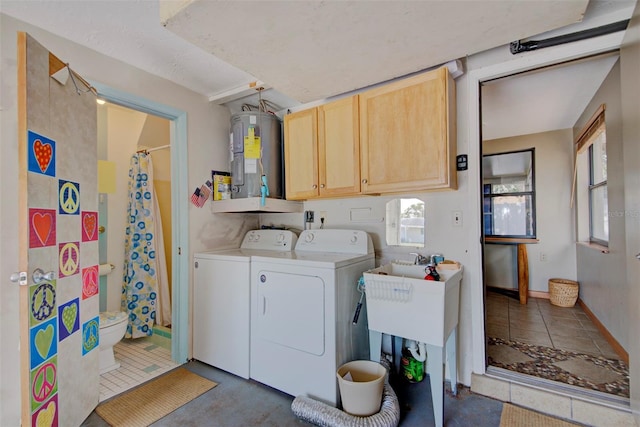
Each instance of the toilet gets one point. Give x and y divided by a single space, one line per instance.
113 325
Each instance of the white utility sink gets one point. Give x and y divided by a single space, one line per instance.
401 303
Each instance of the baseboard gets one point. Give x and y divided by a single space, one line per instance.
620 351
539 294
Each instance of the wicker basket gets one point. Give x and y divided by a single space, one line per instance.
563 292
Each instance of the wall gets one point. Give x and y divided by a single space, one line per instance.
156 133
207 127
440 235
630 89
123 130
603 277
554 216
126 132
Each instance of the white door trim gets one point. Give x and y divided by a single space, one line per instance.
517 63
179 211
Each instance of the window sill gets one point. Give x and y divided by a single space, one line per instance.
595 246
510 240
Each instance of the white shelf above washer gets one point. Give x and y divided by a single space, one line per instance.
252 204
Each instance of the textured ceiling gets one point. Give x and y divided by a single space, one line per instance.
130 30
311 50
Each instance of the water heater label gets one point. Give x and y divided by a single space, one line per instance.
251 145
250 165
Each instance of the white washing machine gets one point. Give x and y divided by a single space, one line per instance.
221 298
302 312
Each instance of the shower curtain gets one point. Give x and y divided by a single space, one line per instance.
145 288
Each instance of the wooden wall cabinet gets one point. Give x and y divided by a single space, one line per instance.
408 134
301 154
399 137
322 151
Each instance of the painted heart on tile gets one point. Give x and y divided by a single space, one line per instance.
46 416
43 153
43 341
89 223
42 225
69 314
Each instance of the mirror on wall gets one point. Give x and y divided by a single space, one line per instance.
405 222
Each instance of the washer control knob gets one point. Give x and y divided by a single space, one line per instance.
354 238
309 237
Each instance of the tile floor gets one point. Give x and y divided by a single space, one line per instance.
557 343
140 360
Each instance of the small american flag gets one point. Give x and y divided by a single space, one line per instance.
204 195
195 196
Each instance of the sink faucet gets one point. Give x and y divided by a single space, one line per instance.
420 259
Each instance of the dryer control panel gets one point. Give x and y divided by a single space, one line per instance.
342 241
269 240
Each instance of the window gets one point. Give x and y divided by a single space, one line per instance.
598 204
591 166
509 194
405 222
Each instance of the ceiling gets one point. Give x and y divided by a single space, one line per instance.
542 100
312 50
301 51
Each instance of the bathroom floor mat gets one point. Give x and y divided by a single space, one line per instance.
153 400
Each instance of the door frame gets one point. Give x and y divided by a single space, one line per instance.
515 64
179 211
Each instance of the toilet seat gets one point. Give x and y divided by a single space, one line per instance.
110 318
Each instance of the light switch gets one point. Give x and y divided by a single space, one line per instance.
456 218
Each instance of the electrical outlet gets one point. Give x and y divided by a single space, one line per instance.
308 216
456 218
543 256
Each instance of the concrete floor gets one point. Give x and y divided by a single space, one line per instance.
237 402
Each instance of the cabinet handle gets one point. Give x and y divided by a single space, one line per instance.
321 185
315 186
364 181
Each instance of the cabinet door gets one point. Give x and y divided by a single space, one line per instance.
407 134
301 154
339 147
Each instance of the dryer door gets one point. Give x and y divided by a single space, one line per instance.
290 311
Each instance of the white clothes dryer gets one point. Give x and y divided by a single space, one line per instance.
221 298
302 312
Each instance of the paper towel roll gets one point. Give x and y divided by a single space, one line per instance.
104 269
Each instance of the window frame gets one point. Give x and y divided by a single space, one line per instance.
584 141
593 186
490 196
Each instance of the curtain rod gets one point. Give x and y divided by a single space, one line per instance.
148 150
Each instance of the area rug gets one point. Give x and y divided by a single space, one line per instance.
562 365
515 416
155 399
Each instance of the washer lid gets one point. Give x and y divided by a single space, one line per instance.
108 318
